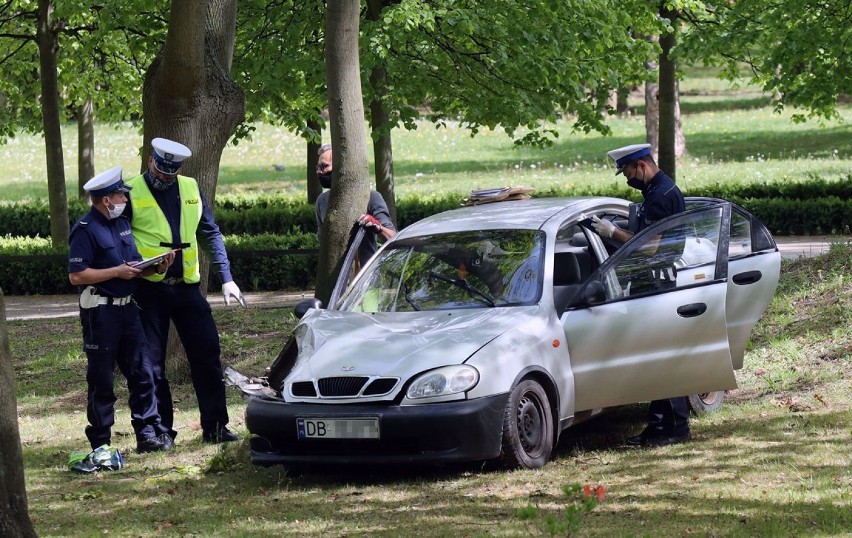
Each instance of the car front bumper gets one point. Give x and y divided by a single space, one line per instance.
468 430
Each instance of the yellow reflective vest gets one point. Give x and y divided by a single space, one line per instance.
150 226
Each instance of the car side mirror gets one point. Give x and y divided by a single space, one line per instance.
304 305
593 293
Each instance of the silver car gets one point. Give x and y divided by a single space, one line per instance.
484 332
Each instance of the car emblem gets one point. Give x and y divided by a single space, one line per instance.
347 368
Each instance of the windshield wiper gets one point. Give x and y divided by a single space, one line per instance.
408 298
466 286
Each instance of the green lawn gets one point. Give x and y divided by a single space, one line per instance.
742 145
774 461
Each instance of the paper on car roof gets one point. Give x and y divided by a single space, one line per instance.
500 194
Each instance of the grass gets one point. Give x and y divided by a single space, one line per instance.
731 135
774 461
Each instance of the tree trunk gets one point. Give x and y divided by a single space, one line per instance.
14 515
189 96
379 118
86 146
382 146
48 45
314 189
667 160
652 108
350 188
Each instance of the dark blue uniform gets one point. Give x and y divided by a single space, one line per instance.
663 199
112 332
185 306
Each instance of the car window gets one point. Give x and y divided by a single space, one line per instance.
680 251
481 269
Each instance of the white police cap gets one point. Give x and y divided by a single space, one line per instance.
628 154
169 155
106 183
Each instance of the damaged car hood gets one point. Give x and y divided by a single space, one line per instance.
336 343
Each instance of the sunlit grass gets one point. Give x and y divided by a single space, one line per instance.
754 145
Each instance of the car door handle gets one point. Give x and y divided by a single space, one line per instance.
749 277
691 310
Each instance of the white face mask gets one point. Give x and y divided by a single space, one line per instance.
116 210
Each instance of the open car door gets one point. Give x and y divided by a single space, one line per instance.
632 338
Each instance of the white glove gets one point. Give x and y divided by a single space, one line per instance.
605 228
231 289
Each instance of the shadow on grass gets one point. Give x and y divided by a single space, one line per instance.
661 491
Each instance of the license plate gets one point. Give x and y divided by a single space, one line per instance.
337 428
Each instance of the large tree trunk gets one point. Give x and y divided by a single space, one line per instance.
379 118
667 159
189 97
314 189
14 516
48 45
86 145
350 188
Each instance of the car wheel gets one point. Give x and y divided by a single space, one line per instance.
706 402
527 427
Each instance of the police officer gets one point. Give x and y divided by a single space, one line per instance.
668 420
101 258
168 211
376 219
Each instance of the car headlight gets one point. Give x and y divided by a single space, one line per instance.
443 381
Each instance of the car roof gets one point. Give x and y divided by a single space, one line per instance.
531 214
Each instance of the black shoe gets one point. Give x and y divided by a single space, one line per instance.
151 444
658 439
220 435
166 439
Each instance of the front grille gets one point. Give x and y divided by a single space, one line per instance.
304 389
341 386
379 386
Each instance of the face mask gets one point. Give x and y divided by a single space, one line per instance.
116 210
635 182
162 185
325 180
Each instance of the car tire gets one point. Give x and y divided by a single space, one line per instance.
706 402
527 427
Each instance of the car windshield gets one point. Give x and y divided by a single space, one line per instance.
482 269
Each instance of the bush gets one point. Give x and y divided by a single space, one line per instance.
815 205
31 266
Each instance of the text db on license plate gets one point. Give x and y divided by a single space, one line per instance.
338 428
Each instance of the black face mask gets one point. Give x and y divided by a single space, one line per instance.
636 183
325 180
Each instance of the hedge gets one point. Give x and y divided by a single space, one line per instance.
778 204
30 266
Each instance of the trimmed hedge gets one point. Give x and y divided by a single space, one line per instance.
814 206
30 266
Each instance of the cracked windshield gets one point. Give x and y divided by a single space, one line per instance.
480 269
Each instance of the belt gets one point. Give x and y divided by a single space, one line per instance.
117 301
171 281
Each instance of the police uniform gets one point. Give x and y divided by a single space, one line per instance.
112 331
166 215
667 418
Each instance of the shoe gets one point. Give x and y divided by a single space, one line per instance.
166 439
657 439
220 435
150 444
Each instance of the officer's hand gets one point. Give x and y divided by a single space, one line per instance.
126 271
605 228
370 222
230 289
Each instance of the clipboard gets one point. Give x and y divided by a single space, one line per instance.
153 261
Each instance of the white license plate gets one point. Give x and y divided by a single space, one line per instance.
337 428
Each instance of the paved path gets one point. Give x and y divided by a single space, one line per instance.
58 306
